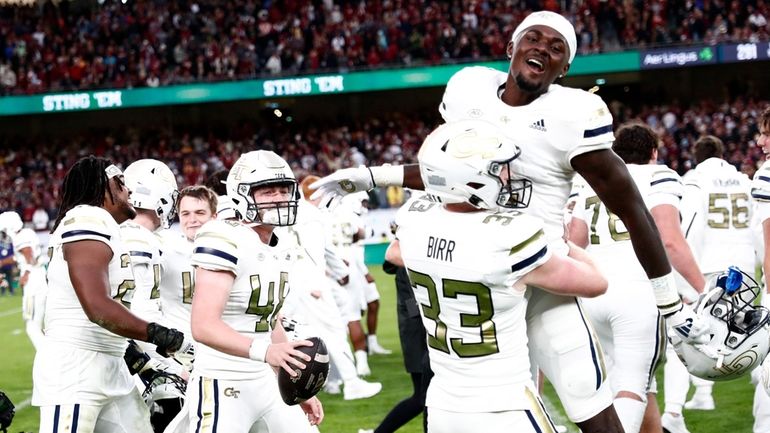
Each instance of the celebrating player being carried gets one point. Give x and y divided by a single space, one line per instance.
470 256
241 280
561 131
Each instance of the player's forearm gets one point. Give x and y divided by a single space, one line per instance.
684 262
645 239
219 336
412 177
114 317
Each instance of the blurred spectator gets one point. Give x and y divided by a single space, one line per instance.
40 220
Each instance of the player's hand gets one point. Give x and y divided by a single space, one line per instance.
687 326
314 410
284 355
167 340
330 189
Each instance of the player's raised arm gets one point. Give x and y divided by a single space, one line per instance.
606 173
330 189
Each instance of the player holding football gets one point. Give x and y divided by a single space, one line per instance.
241 280
470 256
561 131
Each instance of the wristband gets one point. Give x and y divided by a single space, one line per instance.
258 350
387 175
666 296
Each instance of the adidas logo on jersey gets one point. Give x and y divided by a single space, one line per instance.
539 125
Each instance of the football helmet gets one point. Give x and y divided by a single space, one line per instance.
470 161
153 187
739 330
256 169
10 223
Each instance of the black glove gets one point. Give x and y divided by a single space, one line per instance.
166 340
135 358
6 411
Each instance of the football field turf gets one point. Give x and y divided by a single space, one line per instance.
733 399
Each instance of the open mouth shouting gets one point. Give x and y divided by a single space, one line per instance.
536 65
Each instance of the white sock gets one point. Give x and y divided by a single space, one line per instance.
702 386
631 413
361 357
676 382
371 340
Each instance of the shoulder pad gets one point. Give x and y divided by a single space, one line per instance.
216 246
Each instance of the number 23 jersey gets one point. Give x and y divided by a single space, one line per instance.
462 267
256 297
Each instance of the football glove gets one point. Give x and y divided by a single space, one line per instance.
330 189
167 341
6 411
687 326
135 358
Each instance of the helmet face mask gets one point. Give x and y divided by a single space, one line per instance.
276 213
262 169
740 331
470 162
153 187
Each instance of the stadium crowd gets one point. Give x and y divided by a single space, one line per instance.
68 46
31 173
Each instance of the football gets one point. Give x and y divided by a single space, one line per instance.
308 382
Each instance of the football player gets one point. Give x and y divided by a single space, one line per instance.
371 296
154 195
196 206
346 229
470 255
625 317
717 215
27 249
339 275
760 193
241 280
80 380
312 302
561 131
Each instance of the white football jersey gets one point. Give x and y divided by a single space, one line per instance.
26 238
760 192
144 248
65 319
344 225
609 241
717 214
551 130
463 267
177 281
256 297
